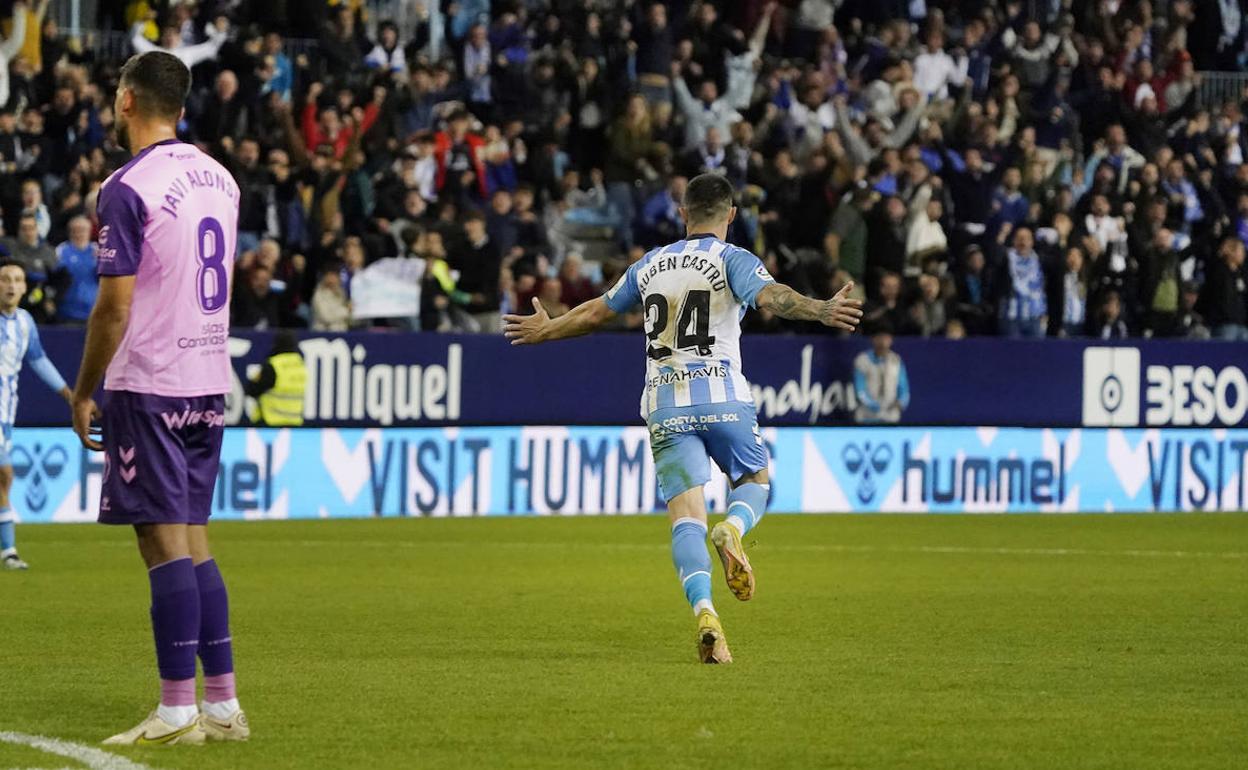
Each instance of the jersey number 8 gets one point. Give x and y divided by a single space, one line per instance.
212 280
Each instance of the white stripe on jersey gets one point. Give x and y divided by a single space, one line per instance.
683 396
719 392
14 339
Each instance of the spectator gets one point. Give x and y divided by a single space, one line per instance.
886 237
479 268
1024 311
575 287
887 308
387 56
29 250
477 67
550 295
76 273
225 115
706 111
1225 293
172 42
925 238
653 43
1109 322
1009 207
1073 294
458 153
846 241
1190 325
331 309
9 48
33 205
935 70
928 315
880 382
660 217
254 304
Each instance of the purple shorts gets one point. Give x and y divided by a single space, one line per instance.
161 456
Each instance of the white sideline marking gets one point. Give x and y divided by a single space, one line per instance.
96 759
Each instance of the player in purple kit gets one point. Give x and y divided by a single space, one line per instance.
157 337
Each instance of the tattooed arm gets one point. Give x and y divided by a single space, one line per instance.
840 312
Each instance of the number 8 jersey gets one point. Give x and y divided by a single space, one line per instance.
169 217
693 294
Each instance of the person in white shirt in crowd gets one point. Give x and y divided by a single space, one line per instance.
171 42
926 237
1106 235
387 55
935 70
707 109
331 308
10 46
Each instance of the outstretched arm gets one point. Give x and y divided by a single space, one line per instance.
840 312
531 329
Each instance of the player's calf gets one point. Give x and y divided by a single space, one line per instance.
8 541
221 718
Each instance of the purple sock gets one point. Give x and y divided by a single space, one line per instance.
175 617
215 651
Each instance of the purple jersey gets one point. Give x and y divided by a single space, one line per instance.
169 217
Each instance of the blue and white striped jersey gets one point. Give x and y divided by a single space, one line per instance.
694 294
19 341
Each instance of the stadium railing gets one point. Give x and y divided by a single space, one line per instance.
1217 88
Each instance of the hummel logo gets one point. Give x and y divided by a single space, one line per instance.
128 468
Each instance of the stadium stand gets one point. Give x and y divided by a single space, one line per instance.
1043 168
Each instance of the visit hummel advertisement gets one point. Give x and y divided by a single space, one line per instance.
330 473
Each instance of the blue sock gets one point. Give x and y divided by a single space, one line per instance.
8 531
746 506
693 562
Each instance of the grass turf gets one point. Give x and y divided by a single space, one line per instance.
873 642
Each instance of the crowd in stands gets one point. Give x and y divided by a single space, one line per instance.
1038 168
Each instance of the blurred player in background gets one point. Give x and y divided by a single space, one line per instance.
19 341
157 337
697 402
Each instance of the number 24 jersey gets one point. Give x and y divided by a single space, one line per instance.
169 218
693 294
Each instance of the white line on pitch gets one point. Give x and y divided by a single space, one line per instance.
96 759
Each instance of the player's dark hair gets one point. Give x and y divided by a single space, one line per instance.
708 198
12 263
160 82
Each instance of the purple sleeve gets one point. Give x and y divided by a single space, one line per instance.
122 215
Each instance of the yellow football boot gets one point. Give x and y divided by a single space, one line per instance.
712 646
737 569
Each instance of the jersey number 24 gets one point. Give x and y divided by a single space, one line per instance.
693 324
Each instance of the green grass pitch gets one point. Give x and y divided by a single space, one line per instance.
873 642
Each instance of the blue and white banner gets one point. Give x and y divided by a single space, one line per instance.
333 473
400 379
